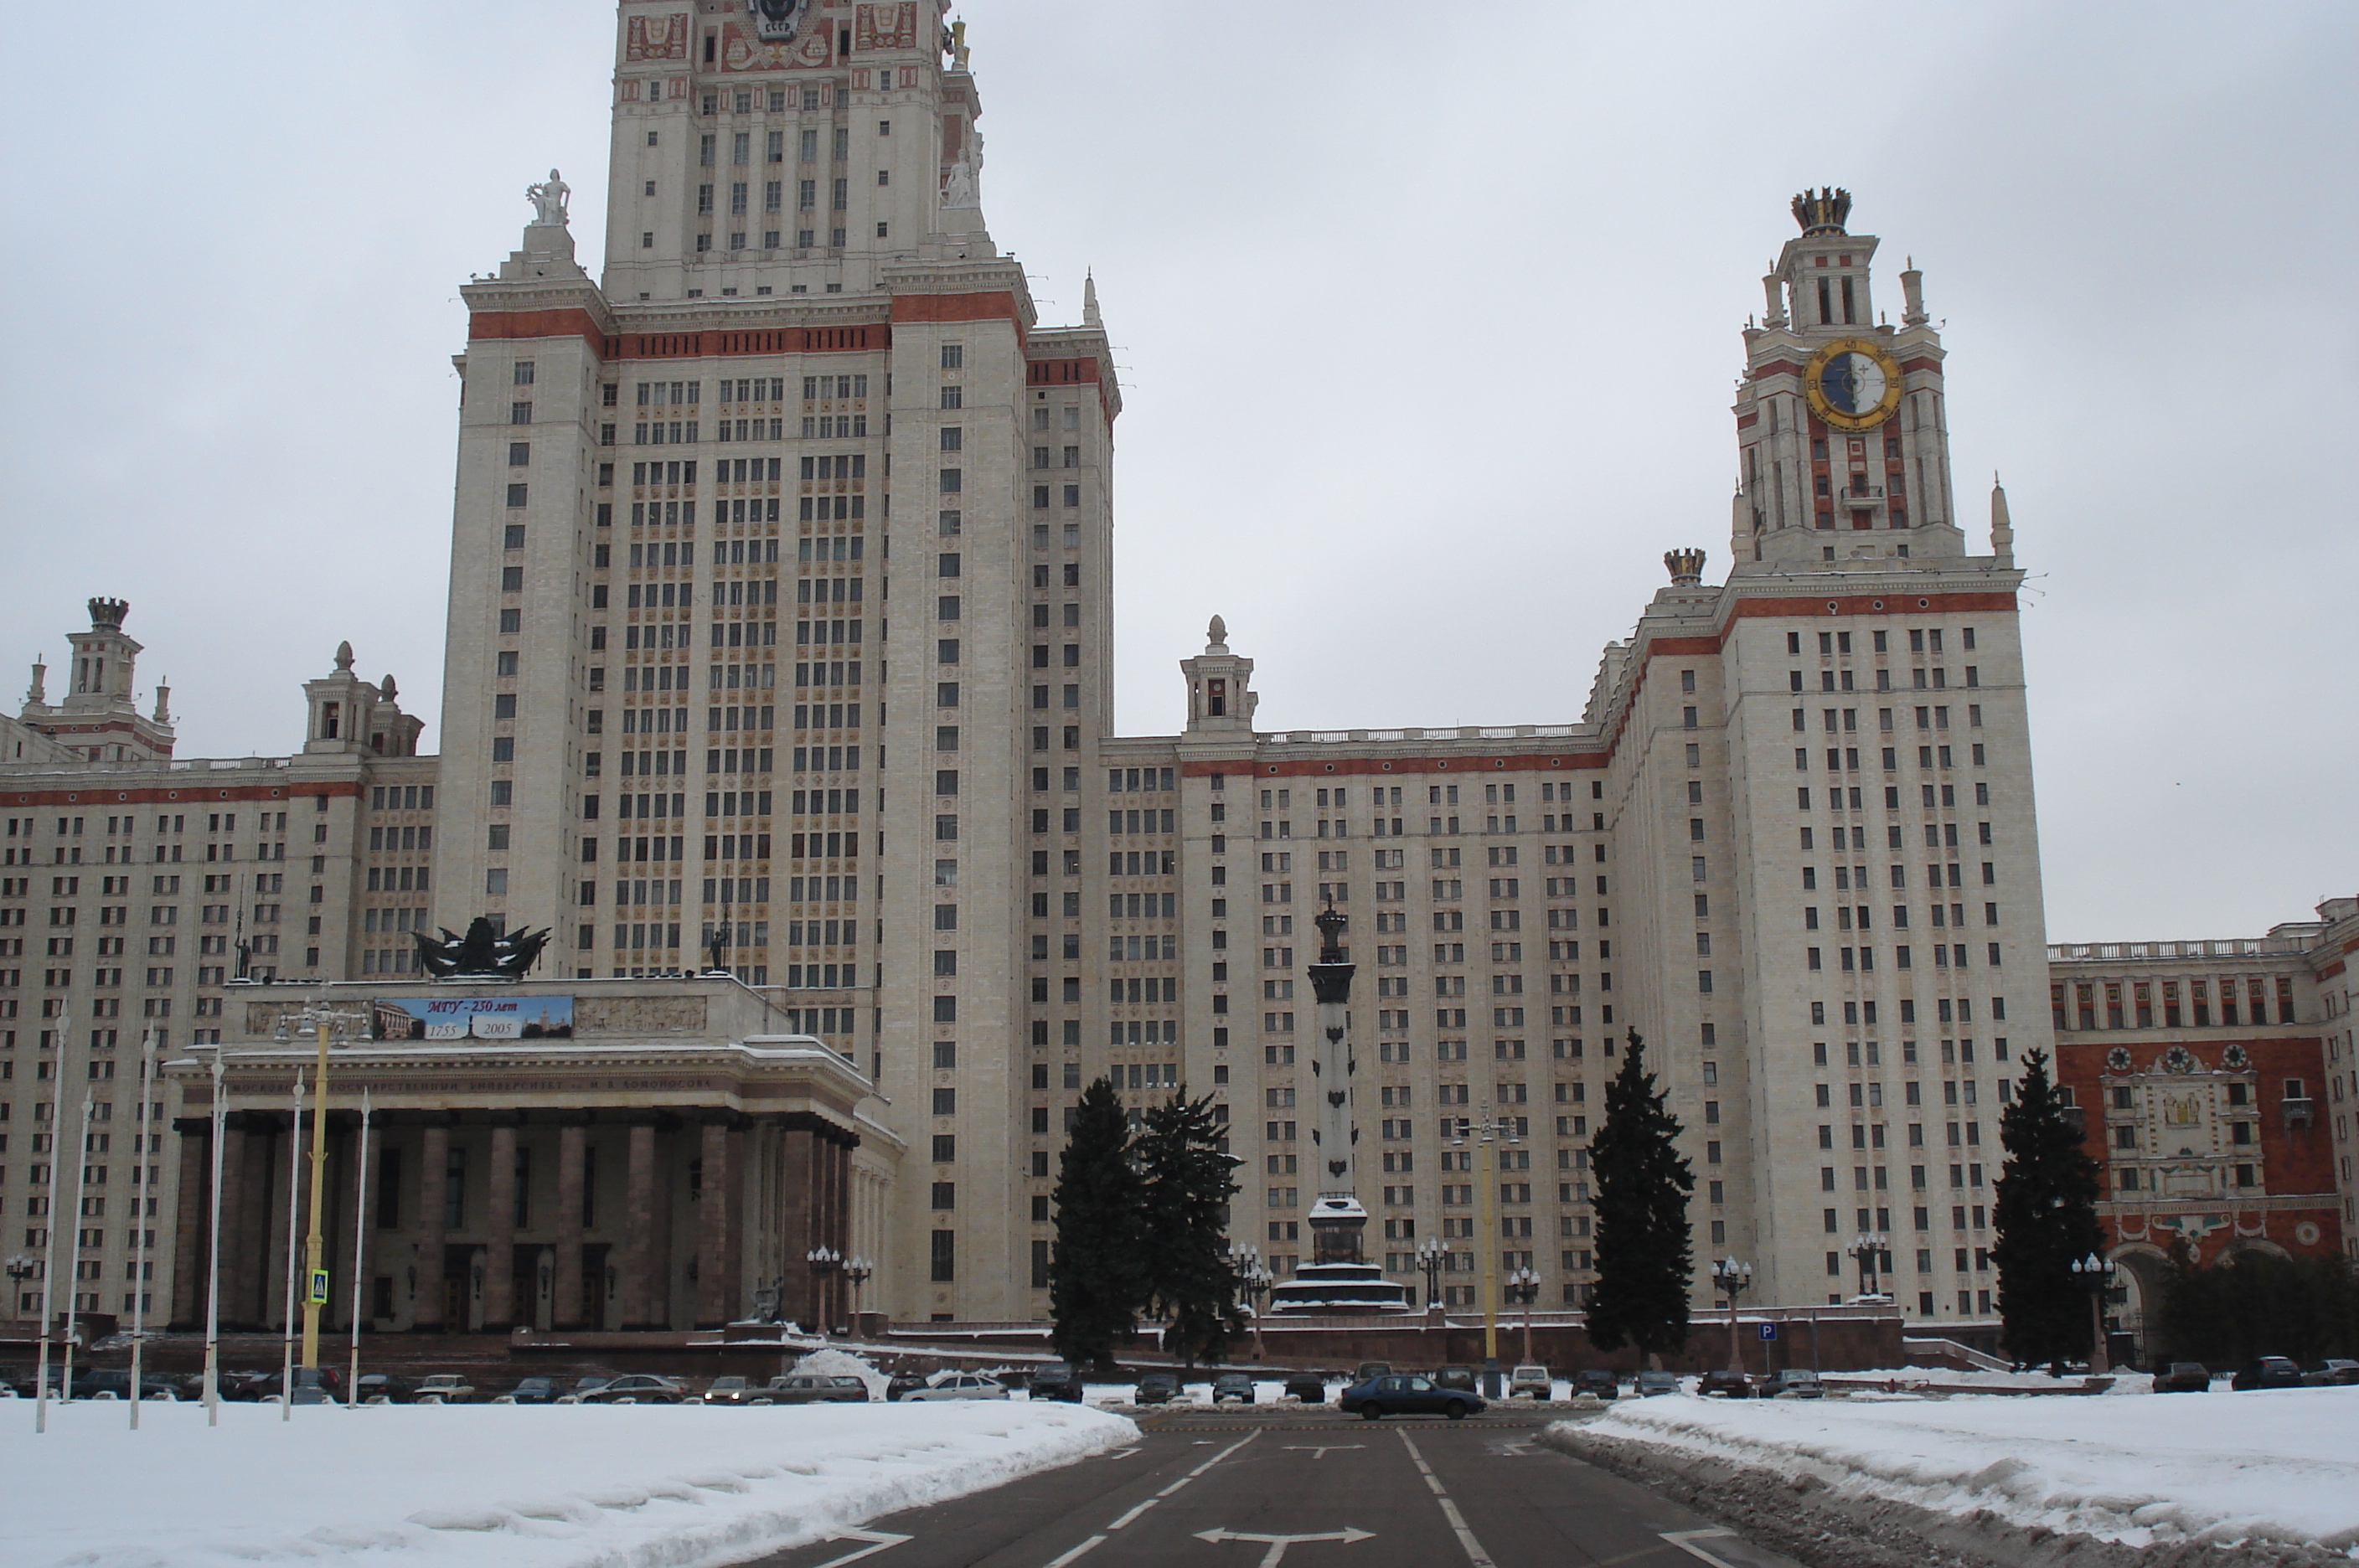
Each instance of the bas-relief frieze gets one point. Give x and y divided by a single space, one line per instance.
639 1015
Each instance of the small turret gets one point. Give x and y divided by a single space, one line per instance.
2002 525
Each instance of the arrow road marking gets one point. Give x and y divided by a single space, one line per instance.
878 1540
1279 1543
1120 1453
1521 1448
1321 1452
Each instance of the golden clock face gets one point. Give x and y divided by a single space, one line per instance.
1852 385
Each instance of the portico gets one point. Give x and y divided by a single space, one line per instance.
588 1155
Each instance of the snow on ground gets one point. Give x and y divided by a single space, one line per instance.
2223 1467
518 1487
831 1363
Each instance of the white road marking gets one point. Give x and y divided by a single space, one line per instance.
1133 1515
1120 1453
878 1540
1279 1543
1321 1452
1075 1553
1466 1542
1685 1540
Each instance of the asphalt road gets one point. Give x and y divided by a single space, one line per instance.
1308 1490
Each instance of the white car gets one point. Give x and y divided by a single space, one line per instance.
958 1386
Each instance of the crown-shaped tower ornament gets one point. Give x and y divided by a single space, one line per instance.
1824 212
107 613
1686 566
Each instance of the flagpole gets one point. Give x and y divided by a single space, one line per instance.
49 1253
213 1257
360 1231
139 1200
73 1296
294 1217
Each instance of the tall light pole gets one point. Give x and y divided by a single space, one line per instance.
360 1234
2097 1273
49 1253
1483 1134
1732 1277
327 1026
858 1270
212 1255
141 1196
294 1214
1868 1248
73 1291
824 1261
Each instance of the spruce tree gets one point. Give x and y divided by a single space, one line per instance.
2046 1218
1187 1180
1643 1182
1094 1284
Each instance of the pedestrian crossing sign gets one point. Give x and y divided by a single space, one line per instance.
319 1296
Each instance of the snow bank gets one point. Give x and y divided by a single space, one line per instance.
833 1363
519 1486
2281 1465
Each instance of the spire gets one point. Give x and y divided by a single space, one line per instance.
2002 525
164 701
1775 292
1912 296
1089 300
387 687
1216 637
343 659
38 694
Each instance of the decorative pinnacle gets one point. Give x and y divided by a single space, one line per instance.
1686 566
107 615
344 657
1824 211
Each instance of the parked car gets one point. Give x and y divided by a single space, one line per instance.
1407 1394
732 1390
1461 1377
1795 1383
901 1384
635 1388
1532 1380
1653 1383
1055 1380
376 1386
1233 1386
114 1383
1597 1382
1728 1384
2332 1373
443 1388
956 1385
1367 1370
813 1388
533 1391
1157 1387
1310 1387
582 1387
2269 1372
2182 1377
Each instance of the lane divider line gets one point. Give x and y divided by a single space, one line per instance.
1095 1541
1466 1542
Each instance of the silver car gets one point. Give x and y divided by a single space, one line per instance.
958 1386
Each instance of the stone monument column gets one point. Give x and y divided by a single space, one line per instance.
1336 1219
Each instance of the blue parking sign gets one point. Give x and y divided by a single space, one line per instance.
1768 1331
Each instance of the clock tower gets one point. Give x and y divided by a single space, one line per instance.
1843 446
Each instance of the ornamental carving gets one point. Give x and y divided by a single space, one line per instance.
639 1015
657 37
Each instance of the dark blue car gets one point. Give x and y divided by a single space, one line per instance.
1407 1394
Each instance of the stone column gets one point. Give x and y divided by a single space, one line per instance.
797 1234
572 1150
273 1218
357 1253
191 1227
736 1297
639 1219
433 1192
235 1189
499 1253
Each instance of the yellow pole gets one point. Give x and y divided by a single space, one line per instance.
1486 1133
313 1247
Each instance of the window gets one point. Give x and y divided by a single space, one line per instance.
944 1255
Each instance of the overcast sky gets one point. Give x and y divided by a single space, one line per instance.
1428 319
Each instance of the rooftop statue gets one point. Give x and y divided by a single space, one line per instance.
482 952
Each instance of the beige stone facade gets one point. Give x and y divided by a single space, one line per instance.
781 613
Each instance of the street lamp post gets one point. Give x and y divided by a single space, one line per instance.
212 1255
142 1129
824 1261
1523 1288
1432 1257
1484 1133
858 1270
1732 1277
1868 1248
2097 1273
